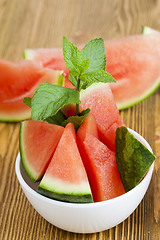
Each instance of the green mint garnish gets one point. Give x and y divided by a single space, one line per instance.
27 101
57 119
76 120
48 99
85 67
88 65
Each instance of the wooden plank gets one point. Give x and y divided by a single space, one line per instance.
42 23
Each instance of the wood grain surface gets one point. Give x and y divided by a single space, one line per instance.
42 23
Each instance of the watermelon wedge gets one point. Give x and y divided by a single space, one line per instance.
88 126
37 143
19 80
102 170
65 178
99 98
133 61
50 58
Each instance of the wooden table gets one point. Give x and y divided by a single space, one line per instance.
42 23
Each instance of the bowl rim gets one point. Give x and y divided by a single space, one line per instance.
84 205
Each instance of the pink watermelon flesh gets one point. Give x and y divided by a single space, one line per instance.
102 172
50 58
65 178
38 141
99 98
88 126
133 61
19 80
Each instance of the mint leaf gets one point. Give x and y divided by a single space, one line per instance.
57 119
73 79
27 101
77 120
72 57
99 76
94 50
48 99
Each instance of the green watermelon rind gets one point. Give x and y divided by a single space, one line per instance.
71 198
147 30
16 118
65 191
131 153
28 54
27 167
122 106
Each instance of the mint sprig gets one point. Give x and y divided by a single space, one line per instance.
85 67
89 63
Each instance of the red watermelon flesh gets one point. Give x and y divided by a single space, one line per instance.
88 126
38 141
19 80
50 58
99 98
133 61
103 173
108 136
65 178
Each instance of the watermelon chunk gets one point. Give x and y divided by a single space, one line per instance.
19 80
37 143
65 178
99 98
88 126
133 61
102 172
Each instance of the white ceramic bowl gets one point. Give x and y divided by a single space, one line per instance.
89 217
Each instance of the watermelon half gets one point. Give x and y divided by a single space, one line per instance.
133 61
19 80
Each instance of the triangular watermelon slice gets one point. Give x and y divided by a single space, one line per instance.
89 125
65 178
19 80
133 61
37 143
102 172
99 98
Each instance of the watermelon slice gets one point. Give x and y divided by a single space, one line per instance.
65 178
19 80
88 126
50 58
37 143
102 172
99 98
133 61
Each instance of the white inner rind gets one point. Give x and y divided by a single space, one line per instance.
64 187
